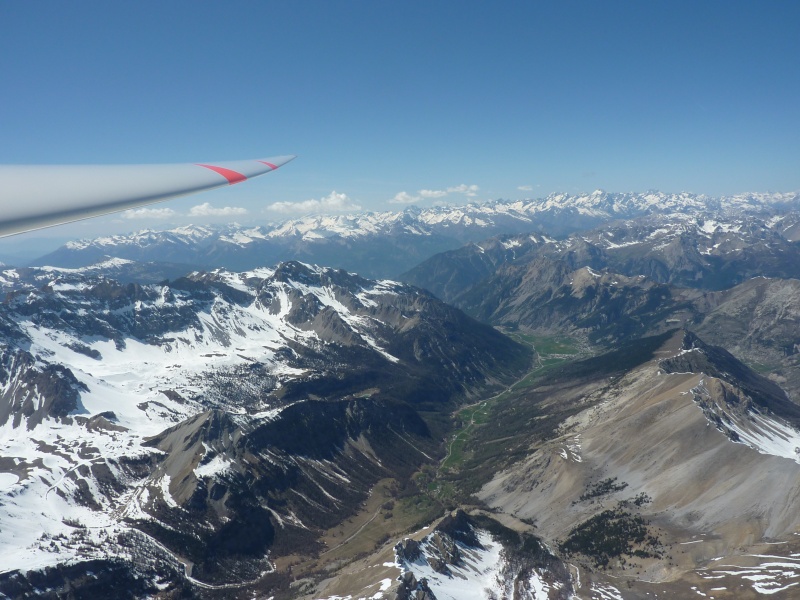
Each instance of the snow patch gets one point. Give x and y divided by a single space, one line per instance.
214 467
476 578
606 592
768 574
8 480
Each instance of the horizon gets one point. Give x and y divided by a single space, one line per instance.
27 247
390 105
444 350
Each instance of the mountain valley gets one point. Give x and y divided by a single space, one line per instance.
614 414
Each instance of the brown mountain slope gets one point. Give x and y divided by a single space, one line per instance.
647 446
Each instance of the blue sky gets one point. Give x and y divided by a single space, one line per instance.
382 100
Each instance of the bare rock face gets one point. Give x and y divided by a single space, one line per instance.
446 552
408 550
35 390
744 386
457 526
758 321
440 550
411 589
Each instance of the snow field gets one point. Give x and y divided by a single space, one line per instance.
37 497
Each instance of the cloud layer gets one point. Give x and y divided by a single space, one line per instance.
333 202
206 210
470 191
149 213
201 210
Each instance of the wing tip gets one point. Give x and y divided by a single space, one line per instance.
277 161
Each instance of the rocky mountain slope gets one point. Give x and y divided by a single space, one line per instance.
671 476
685 250
664 468
733 283
756 320
299 432
192 431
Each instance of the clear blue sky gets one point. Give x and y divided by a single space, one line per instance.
378 98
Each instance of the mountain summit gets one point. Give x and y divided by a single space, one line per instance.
385 244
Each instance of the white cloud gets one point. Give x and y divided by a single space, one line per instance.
333 202
525 188
206 210
404 198
432 193
149 213
467 190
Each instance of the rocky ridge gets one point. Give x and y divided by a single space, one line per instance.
196 428
654 474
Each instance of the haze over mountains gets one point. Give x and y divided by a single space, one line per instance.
390 243
592 396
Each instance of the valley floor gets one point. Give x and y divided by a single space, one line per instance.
637 447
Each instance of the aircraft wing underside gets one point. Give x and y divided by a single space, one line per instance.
37 196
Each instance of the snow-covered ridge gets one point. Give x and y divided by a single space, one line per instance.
477 575
143 359
763 432
700 237
469 563
494 215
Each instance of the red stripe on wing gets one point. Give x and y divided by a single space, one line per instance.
231 176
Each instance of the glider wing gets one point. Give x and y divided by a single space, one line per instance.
37 196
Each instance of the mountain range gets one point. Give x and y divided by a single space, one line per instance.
386 244
591 396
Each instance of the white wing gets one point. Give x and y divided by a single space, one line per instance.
37 196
